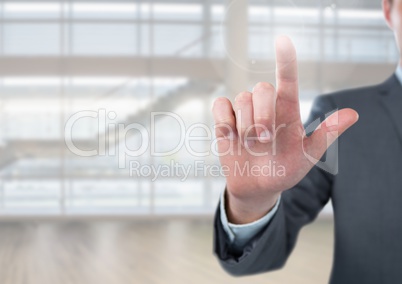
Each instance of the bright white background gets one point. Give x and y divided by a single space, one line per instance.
53 64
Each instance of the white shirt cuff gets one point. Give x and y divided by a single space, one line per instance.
239 235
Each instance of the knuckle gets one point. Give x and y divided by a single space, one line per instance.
224 121
222 128
243 97
219 102
264 86
264 120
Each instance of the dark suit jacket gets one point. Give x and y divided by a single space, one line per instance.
366 195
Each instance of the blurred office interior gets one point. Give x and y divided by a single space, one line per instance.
128 58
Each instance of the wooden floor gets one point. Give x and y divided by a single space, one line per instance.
123 252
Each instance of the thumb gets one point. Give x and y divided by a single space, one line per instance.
328 131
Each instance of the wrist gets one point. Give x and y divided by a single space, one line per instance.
242 210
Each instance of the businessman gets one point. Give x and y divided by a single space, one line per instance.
260 214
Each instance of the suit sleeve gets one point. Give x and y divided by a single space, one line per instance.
300 205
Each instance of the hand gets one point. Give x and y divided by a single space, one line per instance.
264 129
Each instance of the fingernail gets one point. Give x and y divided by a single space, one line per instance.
265 136
250 143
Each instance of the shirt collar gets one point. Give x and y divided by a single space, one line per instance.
398 74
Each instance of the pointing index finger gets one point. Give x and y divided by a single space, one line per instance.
287 79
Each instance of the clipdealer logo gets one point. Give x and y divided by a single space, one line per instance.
112 136
112 140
